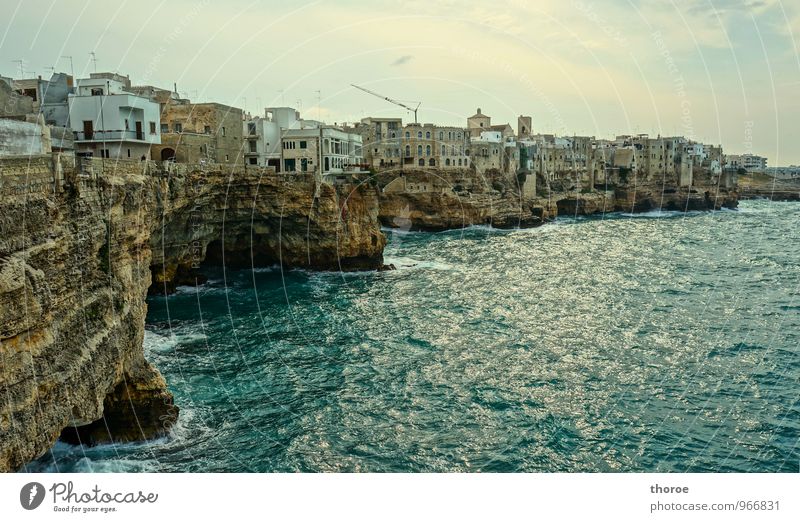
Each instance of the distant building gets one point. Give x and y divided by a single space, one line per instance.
262 135
524 126
478 123
748 162
109 121
200 132
382 139
322 151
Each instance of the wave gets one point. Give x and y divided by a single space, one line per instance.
166 342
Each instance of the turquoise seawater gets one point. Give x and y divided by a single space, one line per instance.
652 342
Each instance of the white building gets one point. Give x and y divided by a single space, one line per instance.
749 162
262 135
111 122
341 151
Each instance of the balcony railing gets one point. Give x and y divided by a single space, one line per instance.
110 135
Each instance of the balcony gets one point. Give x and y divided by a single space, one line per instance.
111 135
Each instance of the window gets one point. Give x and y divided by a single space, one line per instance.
444 150
428 135
421 162
164 128
223 132
419 150
152 127
104 153
459 162
289 145
126 124
408 134
253 146
441 135
129 153
408 151
177 127
97 91
419 134
447 162
432 162
251 128
253 161
303 145
393 135
428 150
226 157
207 129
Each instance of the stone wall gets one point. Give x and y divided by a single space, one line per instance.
22 137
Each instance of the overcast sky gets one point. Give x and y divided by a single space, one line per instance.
720 71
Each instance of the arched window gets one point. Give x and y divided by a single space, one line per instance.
428 135
408 151
459 162
432 162
408 134
393 135
421 162
419 134
444 150
459 135
447 162
428 150
441 135
466 152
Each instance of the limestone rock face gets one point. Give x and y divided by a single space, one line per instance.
429 199
76 249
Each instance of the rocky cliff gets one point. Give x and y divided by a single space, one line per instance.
78 248
430 199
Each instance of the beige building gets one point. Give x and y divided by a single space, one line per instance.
195 132
340 151
382 141
478 123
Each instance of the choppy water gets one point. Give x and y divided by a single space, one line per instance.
655 342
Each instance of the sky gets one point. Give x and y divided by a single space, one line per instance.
718 71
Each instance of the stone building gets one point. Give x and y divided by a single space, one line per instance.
524 126
200 132
478 123
382 140
429 145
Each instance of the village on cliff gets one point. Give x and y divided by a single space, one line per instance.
106 116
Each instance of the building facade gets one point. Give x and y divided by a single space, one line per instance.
109 121
200 132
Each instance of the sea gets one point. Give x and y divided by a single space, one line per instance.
655 342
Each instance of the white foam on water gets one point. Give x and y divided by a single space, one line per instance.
167 340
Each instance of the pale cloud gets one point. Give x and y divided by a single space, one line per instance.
576 65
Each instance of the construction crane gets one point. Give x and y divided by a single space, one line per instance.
411 109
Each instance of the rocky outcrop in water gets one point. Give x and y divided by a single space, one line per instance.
76 248
436 199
